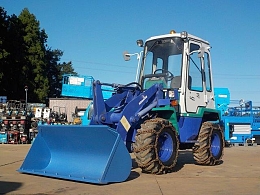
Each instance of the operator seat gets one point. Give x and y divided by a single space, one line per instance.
176 82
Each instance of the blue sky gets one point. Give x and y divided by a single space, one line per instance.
94 34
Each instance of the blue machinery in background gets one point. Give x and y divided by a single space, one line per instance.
80 86
77 86
241 122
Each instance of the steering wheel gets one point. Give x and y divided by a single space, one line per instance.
167 74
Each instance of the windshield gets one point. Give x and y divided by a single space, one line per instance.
163 57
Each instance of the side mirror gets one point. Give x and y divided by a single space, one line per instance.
126 56
140 43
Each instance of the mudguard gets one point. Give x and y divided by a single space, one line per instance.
93 153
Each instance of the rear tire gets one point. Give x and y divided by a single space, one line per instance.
209 149
156 146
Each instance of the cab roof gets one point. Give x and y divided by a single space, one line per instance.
190 37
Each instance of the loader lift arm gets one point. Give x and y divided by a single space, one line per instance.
126 107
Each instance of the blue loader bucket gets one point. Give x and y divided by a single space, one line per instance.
94 154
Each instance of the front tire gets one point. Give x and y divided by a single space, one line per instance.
209 148
156 146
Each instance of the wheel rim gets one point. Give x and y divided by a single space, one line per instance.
165 147
215 144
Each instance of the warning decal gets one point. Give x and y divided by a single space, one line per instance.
125 123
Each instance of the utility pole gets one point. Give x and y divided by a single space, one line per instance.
26 89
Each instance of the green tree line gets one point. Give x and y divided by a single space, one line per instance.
26 60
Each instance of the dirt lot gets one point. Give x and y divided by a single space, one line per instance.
238 174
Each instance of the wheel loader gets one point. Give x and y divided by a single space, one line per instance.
170 107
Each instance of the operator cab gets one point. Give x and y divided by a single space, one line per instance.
181 62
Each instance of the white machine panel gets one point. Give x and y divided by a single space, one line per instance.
242 129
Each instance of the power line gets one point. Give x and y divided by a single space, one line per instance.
236 78
99 69
237 74
98 63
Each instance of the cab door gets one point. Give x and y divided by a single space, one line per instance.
195 93
209 90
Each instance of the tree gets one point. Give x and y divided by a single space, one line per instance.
35 76
25 59
13 54
3 35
